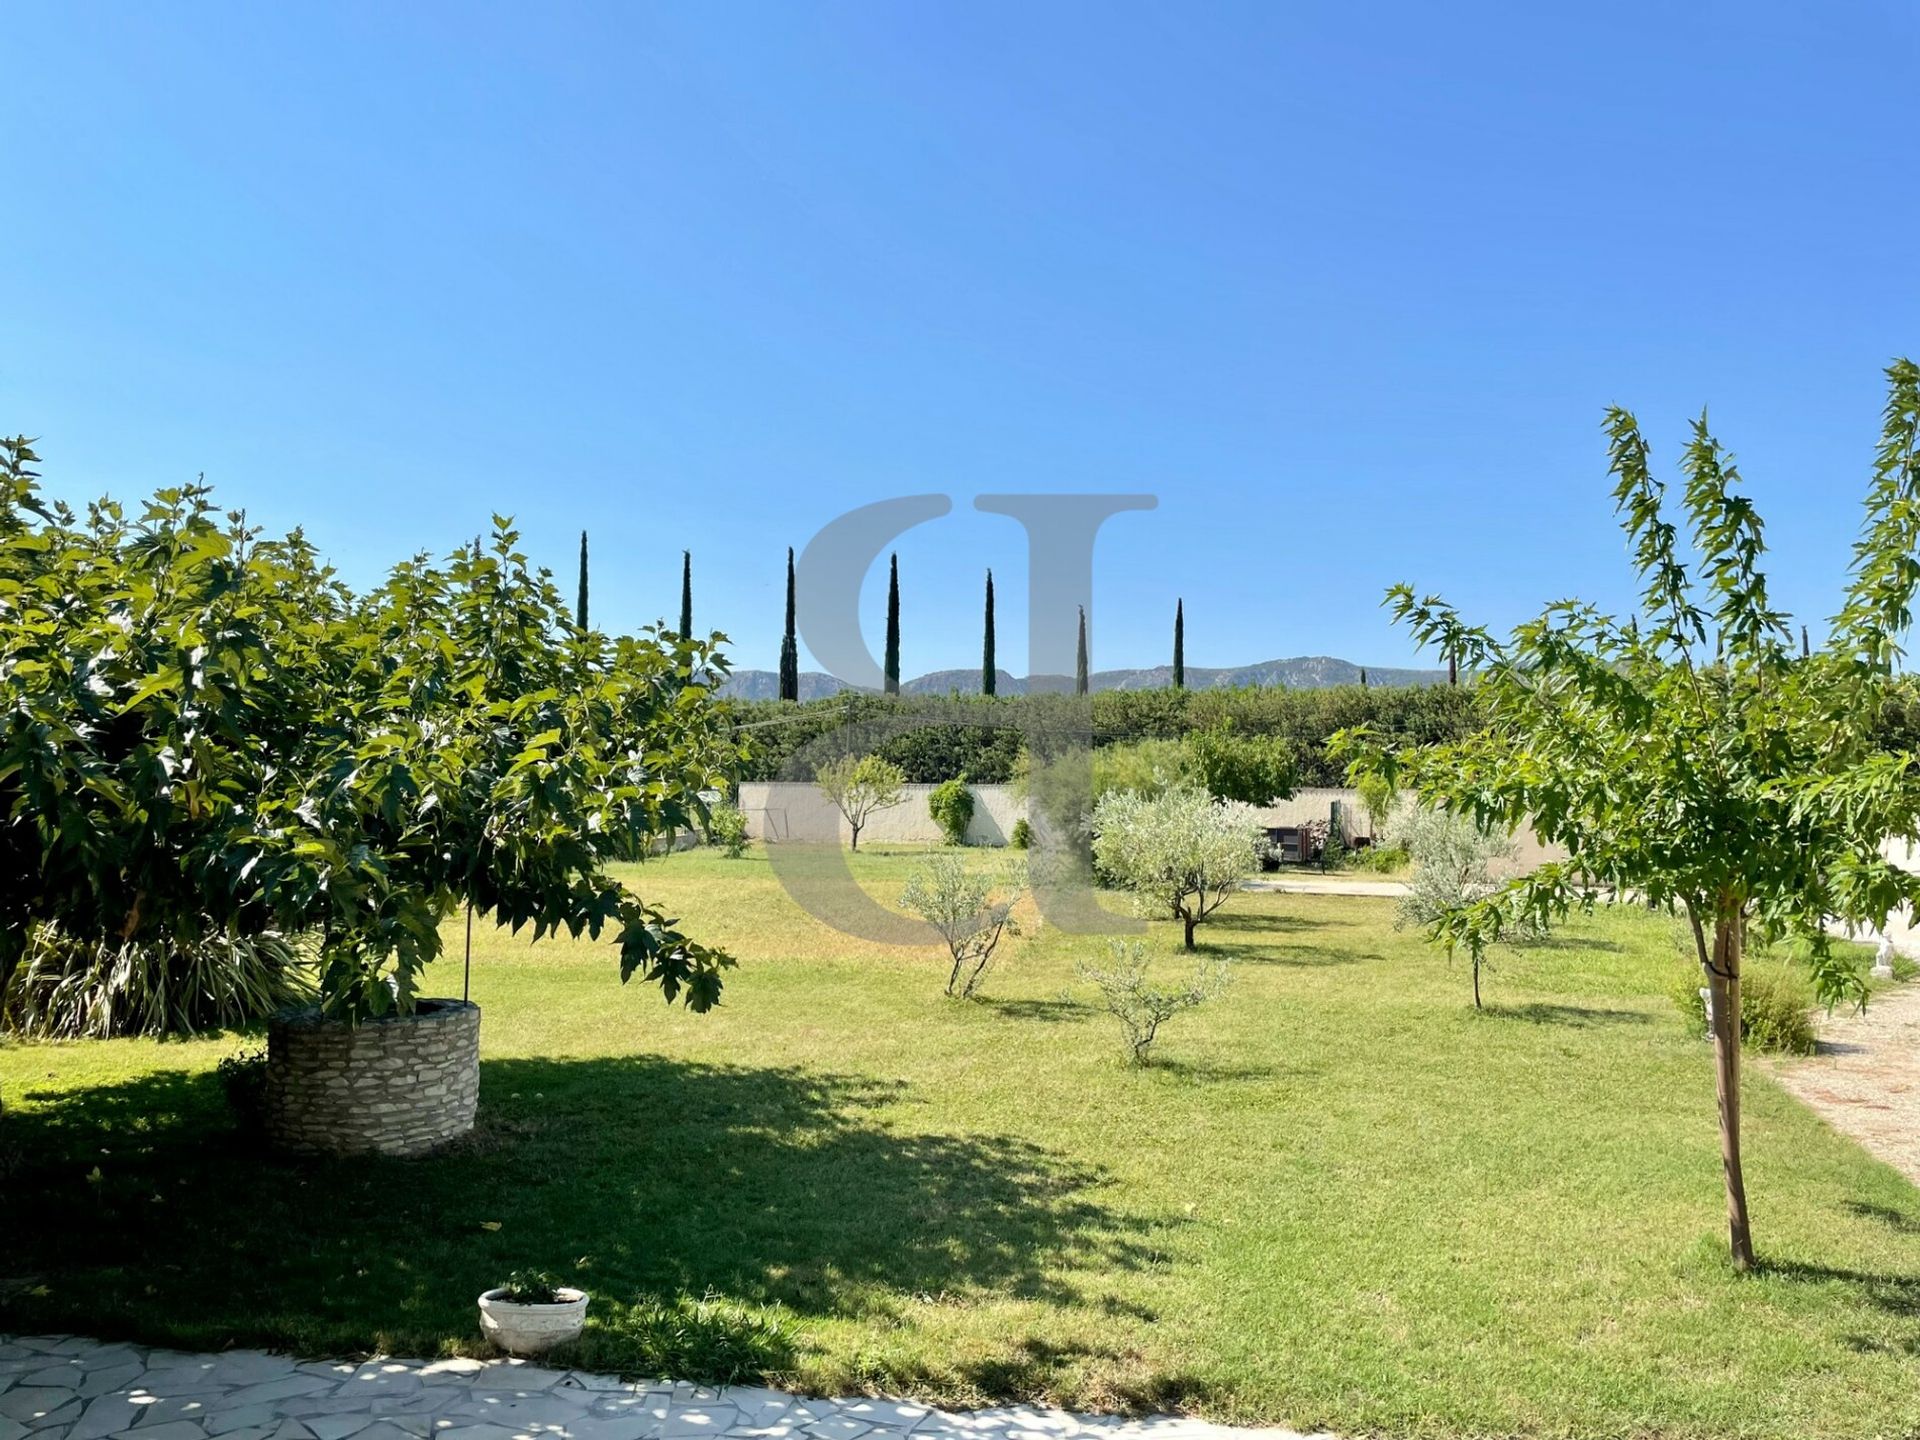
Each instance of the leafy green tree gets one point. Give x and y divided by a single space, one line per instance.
580 602
1140 1005
1179 644
891 682
214 738
989 673
789 644
1254 769
1752 793
861 786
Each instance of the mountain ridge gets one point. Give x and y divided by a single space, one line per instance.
1299 672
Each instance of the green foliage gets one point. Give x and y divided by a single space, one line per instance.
860 786
1146 767
243 1080
982 736
1138 1004
727 828
950 803
206 737
70 987
1022 836
972 909
1776 1006
1254 769
532 1287
1181 853
710 1340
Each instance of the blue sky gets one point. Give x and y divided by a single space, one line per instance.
1346 286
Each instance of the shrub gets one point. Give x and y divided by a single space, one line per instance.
1142 1007
1776 1007
71 987
951 806
1182 853
531 1287
243 1078
1022 837
972 909
727 828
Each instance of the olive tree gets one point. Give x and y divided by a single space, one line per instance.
860 786
972 909
1689 754
1181 853
1453 865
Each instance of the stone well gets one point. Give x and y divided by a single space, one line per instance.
400 1085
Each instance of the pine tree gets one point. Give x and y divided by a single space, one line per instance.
1179 644
893 625
580 605
987 671
789 644
686 595
1080 657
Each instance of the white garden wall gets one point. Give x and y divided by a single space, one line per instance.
789 810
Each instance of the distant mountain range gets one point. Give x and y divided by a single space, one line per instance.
1302 672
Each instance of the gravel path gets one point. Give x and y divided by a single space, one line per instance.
1865 1080
58 1387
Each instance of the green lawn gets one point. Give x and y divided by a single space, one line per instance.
1343 1199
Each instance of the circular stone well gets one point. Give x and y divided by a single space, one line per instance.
399 1085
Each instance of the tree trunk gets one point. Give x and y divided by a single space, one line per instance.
1723 992
856 838
1190 923
1476 982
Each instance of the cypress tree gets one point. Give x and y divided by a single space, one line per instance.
987 671
1179 644
1363 677
1453 669
789 645
893 625
686 595
580 604
1806 650
1080 657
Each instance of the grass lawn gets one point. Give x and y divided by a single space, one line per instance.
1342 1199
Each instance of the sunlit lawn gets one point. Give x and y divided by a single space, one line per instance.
1341 1199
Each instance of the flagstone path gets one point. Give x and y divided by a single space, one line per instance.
68 1388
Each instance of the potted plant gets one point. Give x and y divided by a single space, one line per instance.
531 1313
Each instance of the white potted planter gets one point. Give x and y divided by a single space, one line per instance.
521 1327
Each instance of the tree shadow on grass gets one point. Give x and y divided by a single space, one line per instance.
140 1210
1060 1011
1579 1017
1270 923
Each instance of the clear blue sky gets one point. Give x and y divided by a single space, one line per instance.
1347 286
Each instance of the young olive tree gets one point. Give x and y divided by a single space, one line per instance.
1690 754
860 786
1138 1004
1180 853
1453 865
971 908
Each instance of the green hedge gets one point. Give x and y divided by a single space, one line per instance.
981 736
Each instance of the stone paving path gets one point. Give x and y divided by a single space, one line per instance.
55 1387
1865 1077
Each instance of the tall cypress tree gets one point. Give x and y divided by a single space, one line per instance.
1806 650
1179 644
1363 677
988 673
580 604
1080 657
686 595
893 625
789 645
